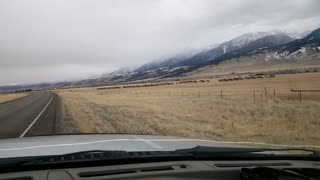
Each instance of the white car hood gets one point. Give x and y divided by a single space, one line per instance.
62 144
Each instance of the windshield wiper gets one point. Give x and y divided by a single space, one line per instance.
98 157
195 153
88 158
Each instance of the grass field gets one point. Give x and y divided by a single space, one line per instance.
11 96
263 110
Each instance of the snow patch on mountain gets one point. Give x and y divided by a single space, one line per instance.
225 49
298 35
300 53
244 40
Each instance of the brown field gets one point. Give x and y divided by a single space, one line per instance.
260 110
11 96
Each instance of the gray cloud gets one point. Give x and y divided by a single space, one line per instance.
42 40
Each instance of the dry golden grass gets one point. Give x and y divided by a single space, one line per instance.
11 96
199 110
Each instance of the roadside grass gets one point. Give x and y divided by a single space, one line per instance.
11 96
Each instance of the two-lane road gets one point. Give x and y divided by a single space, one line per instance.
28 116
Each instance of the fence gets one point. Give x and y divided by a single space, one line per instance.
300 91
256 94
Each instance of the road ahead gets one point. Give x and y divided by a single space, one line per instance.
29 116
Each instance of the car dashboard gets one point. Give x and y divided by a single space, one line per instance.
178 170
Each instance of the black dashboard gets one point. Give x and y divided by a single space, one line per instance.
265 169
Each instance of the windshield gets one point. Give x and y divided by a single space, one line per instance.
158 75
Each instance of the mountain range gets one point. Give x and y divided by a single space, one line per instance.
281 45
273 46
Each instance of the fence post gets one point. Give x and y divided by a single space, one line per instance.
254 95
274 93
265 92
300 96
221 93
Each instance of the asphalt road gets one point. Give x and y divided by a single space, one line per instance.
29 116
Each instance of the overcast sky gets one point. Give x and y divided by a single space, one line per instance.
58 40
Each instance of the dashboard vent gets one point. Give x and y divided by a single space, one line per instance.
106 173
163 168
124 171
225 165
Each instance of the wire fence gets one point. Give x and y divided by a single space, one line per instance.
256 94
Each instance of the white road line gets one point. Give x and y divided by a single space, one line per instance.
35 120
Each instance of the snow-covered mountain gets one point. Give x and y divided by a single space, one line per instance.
242 45
269 44
223 48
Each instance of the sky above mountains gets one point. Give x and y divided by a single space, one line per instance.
60 40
